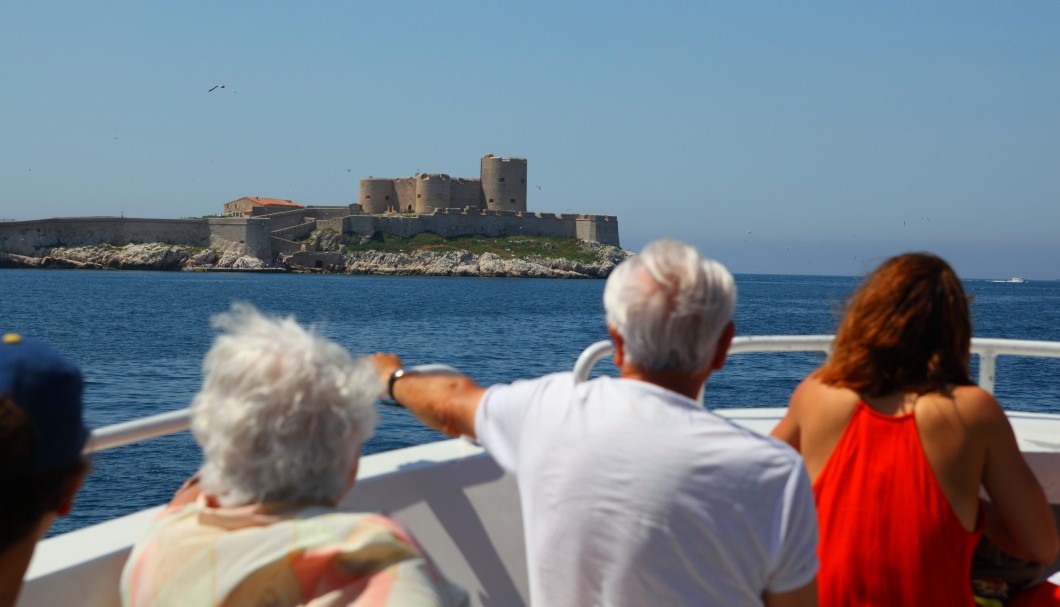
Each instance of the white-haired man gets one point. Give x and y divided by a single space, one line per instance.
632 492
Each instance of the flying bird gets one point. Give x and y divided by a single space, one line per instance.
215 87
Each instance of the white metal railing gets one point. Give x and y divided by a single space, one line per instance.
171 422
137 430
987 349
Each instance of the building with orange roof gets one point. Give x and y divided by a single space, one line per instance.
244 207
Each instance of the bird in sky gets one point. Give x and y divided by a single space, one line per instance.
215 87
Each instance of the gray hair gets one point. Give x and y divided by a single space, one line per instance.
282 412
670 305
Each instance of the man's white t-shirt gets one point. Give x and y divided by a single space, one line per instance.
636 495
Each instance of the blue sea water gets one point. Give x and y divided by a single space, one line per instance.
140 338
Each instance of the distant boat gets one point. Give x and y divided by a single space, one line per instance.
1014 280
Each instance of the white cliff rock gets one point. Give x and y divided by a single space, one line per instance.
333 258
464 263
149 256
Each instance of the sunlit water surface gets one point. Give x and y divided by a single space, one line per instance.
140 338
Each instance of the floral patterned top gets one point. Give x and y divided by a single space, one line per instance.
261 555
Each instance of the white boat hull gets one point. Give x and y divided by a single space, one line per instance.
456 500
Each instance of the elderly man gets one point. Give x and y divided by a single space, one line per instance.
41 438
632 492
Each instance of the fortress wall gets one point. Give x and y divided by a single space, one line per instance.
405 189
504 183
598 228
363 225
262 211
252 236
337 224
465 193
318 259
287 247
286 219
376 195
28 237
319 213
451 223
297 231
432 192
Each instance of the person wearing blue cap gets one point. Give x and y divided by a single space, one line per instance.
41 438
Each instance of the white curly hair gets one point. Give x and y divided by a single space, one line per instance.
282 413
670 305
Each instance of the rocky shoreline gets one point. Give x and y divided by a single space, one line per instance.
174 257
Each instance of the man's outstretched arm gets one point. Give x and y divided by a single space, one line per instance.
443 401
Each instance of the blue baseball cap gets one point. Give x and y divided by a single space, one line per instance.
47 387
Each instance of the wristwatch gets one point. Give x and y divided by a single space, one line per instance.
397 374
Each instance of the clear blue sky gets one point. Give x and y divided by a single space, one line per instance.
778 137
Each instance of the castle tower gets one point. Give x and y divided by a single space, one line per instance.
432 192
504 183
378 196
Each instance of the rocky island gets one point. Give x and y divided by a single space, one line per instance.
426 255
428 224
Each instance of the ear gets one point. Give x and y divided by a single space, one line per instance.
66 505
722 348
620 352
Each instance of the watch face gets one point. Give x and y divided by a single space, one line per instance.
390 385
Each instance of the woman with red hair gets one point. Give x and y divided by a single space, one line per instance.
898 441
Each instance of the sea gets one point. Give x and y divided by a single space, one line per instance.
140 338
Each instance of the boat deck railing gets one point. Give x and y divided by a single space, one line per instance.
987 349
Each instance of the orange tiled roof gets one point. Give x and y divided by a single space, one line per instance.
275 202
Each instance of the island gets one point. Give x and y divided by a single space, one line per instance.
428 224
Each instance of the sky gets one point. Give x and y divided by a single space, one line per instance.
777 137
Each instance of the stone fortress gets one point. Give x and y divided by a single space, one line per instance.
500 187
492 205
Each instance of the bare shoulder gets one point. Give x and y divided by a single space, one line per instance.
812 404
978 406
816 417
815 394
974 410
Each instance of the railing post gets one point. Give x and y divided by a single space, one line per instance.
589 357
987 369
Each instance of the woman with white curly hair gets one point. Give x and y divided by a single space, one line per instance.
281 418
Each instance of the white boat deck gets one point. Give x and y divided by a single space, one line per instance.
455 499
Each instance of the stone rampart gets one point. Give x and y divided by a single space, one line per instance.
296 232
251 236
466 193
504 183
286 247
30 237
335 212
405 190
597 228
335 225
318 259
450 223
286 219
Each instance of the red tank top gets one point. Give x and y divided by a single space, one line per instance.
888 536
